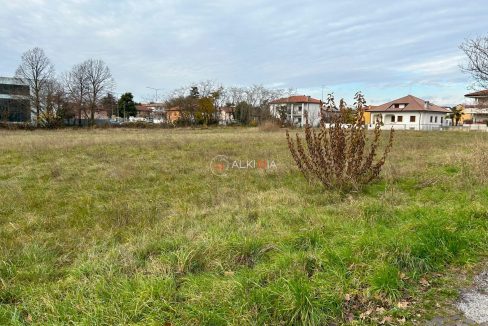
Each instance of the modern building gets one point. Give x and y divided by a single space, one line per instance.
408 113
295 107
476 112
14 100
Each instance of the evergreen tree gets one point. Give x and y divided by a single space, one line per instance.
127 106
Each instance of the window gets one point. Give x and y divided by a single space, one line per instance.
412 118
435 119
400 118
442 120
392 118
430 119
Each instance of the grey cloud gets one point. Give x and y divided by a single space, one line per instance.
294 44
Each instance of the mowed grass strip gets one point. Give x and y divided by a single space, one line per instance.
106 227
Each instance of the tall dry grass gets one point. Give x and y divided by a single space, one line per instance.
131 227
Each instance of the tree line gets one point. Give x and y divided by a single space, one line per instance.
87 88
200 103
76 94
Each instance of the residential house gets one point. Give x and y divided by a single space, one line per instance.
173 114
408 113
143 111
476 112
152 112
226 115
14 100
295 107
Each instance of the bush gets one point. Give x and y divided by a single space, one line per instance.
142 125
270 125
17 126
337 156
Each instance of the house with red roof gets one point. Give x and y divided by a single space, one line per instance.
409 113
295 107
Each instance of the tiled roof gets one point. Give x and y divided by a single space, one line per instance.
483 93
411 103
296 99
144 108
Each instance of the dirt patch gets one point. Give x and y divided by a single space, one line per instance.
474 301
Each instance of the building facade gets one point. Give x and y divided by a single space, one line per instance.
151 112
14 100
409 113
476 112
295 107
226 115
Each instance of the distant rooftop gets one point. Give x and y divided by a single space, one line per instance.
407 103
296 99
483 93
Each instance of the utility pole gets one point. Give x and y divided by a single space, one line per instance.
156 90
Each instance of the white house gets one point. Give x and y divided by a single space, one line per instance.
295 108
226 115
409 113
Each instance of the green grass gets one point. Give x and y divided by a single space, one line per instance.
109 227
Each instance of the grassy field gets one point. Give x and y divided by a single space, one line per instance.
107 227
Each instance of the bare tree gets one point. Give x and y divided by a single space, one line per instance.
235 95
54 102
100 82
260 96
76 83
36 70
477 66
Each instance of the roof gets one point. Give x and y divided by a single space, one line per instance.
483 93
144 108
296 99
411 102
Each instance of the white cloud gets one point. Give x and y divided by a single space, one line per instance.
436 66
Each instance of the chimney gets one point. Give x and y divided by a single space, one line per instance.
426 105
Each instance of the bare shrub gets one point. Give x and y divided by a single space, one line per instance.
340 156
270 125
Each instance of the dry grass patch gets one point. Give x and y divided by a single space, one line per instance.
130 226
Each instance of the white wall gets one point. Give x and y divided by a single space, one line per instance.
296 112
422 120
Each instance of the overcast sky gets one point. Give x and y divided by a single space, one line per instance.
385 48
